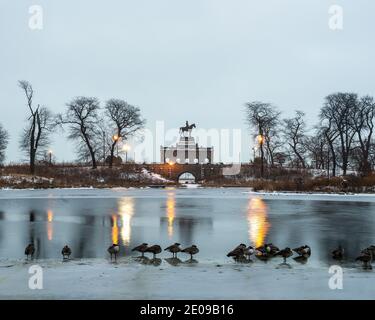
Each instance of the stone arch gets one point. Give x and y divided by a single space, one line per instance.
187 177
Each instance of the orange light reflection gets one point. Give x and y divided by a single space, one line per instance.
114 229
49 225
126 212
171 204
257 221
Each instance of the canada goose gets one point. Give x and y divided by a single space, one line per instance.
174 248
191 250
238 251
303 250
155 249
370 249
366 258
267 249
285 253
141 248
30 250
271 249
241 245
66 252
261 249
249 251
338 253
114 250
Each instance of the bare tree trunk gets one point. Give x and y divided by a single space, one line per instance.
333 159
301 160
112 154
32 162
91 151
32 147
93 159
261 160
344 164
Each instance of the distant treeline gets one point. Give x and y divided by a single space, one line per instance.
96 130
342 139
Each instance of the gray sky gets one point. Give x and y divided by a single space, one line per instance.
197 60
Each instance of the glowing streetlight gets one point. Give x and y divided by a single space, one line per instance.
171 164
260 139
116 138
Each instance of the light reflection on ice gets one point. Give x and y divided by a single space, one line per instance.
126 212
257 221
171 203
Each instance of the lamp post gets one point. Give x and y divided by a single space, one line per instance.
170 168
116 138
260 140
126 148
50 156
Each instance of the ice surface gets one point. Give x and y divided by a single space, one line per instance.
130 279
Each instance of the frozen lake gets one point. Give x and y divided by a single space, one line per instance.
216 220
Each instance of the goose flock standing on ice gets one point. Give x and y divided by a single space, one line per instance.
241 253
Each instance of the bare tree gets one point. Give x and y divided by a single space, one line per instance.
124 119
363 124
331 135
261 117
337 111
317 147
82 119
4 139
35 137
295 136
272 142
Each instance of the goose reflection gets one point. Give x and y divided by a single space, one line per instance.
147 261
142 259
257 221
301 259
190 261
173 261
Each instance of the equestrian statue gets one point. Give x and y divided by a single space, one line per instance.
187 128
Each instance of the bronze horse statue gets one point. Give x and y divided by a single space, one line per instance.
187 128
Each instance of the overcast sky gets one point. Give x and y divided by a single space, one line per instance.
196 60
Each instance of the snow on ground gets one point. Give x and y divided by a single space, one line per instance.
18 179
192 185
154 177
365 197
129 279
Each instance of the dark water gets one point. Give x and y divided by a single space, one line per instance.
216 220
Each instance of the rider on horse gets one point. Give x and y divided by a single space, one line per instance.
187 128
